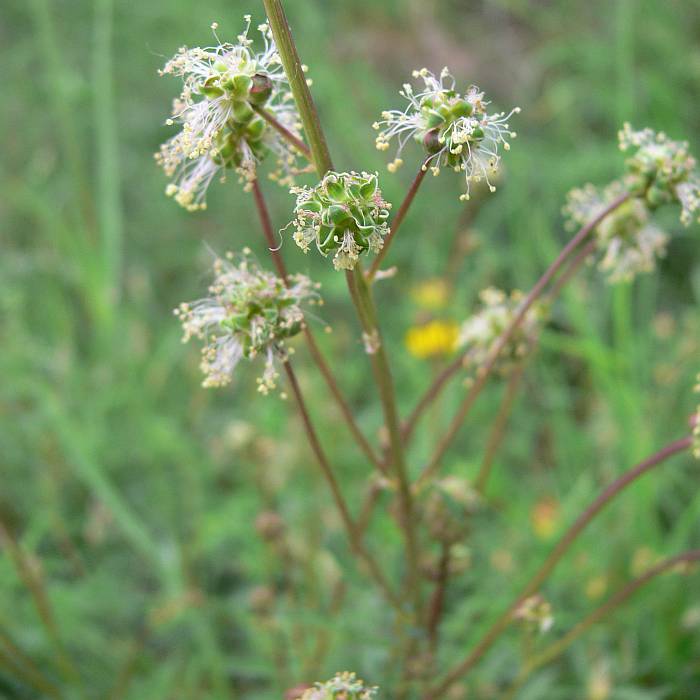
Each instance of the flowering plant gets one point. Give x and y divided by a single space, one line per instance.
235 108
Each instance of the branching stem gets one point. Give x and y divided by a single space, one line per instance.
500 625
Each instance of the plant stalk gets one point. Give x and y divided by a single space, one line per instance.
349 524
499 626
485 370
398 220
560 645
326 372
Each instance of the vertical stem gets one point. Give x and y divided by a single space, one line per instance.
350 527
497 431
356 280
437 602
282 35
361 296
496 629
315 351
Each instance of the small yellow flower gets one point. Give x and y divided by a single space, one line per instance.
545 518
432 339
596 587
431 294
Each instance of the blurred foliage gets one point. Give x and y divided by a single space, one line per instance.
134 493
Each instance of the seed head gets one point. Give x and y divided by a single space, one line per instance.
343 686
343 215
628 241
479 332
220 129
248 312
454 130
661 171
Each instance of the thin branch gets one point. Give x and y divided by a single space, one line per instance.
398 220
610 605
437 602
498 346
34 584
499 426
497 628
361 296
350 526
282 130
326 372
24 667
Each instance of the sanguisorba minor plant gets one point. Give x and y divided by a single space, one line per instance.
241 107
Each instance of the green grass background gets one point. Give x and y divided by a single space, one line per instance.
133 491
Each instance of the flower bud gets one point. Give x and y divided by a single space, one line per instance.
260 90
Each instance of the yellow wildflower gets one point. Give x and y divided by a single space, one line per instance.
545 518
432 339
431 294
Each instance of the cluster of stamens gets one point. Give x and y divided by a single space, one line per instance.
455 130
223 86
248 313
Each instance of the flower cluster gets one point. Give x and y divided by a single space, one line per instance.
222 86
248 312
479 332
455 130
343 686
344 215
661 171
629 242
433 339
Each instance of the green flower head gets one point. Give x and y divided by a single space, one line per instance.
344 215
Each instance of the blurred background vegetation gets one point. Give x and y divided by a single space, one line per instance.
130 556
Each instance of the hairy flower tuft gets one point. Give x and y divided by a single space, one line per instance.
479 332
630 243
220 128
343 686
661 171
344 214
455 130
248 312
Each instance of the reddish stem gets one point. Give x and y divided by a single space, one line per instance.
398 220
496 629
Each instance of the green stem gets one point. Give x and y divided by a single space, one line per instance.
282 35
359 290
361 296
541 575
